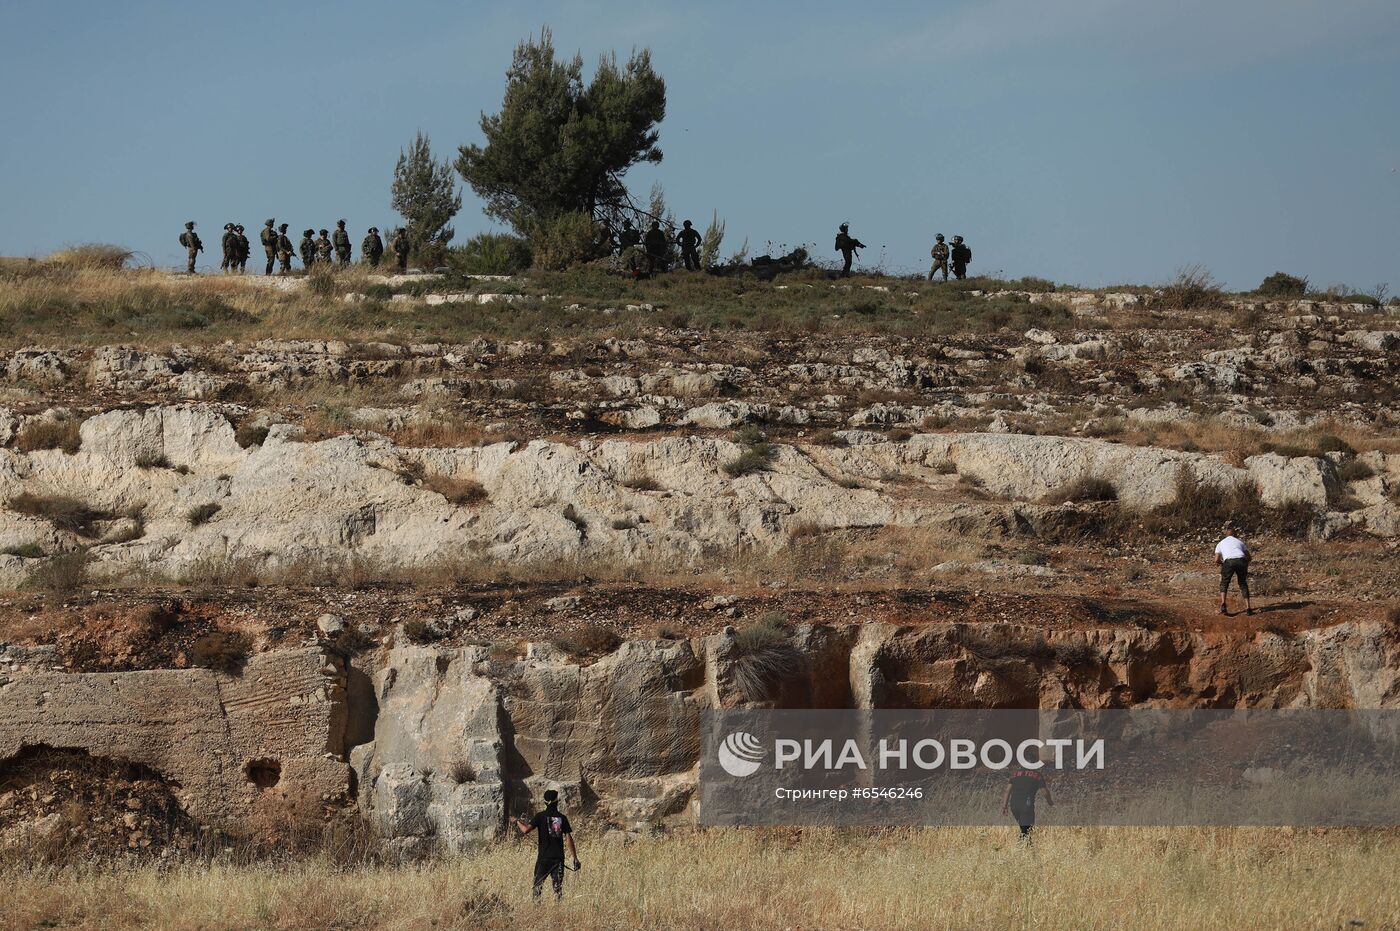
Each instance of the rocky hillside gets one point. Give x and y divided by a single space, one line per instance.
421 565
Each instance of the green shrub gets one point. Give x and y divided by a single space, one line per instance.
564 241
755 456
490 254
1280 284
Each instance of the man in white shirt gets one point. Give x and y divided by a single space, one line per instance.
1232 556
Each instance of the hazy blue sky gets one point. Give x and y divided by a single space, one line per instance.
1091 141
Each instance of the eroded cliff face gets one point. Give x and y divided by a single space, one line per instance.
448 740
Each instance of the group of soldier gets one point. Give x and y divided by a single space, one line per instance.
650 253
325 249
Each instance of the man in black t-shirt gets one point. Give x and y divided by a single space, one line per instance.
1019 798
555 833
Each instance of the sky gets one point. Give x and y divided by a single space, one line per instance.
1088 141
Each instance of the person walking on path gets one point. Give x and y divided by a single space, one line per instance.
555 833
1233 557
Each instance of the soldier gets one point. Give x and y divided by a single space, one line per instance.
401 247
961 255
656 247
190 240
846 244
230 247
284 248
268 238
324 248
628 237
940 258
307 246
242 249
689 241
372 249
341 241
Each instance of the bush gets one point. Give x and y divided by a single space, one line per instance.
591 639
60 575
564 241
224 651
1083 489
757 453
320 281
202 514
1354 470
490 254
1280 284
65 513
92 255
152 461
49 434
764 656
249 434
1193 288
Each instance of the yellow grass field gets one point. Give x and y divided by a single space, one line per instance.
737 880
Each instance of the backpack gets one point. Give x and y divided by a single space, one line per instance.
185 239
842 241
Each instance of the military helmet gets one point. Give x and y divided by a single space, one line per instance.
269 222
189 224
307 232
957 239
374 229
845 226
239 227
687 224
339 222
283 227
228 226
939 237
323 232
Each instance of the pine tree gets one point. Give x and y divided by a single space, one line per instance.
425 195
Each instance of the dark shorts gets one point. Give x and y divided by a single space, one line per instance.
1238 569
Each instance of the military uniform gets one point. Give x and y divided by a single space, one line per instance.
940 258
284 249
268 238
960 255
630 236
401 248
372 249
689 241
341 241
308 249
323 248
657 247
190 240
229 244
242 249
846 244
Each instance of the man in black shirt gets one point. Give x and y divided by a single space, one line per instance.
555 833
1019 798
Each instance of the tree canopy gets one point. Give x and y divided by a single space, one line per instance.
425 194
557 146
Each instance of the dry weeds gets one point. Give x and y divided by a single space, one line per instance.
743 880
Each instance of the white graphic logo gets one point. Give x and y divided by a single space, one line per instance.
741 754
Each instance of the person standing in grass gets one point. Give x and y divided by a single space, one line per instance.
193 247
268 238
846 244
1019 798
1233 557
555 833
284 249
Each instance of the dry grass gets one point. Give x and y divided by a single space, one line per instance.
49 434
459 492
746 880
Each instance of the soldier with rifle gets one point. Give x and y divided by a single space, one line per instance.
372 249
341 241
193 247
846 244
268 238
